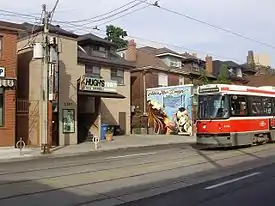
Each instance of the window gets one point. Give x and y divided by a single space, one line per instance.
99 51
1 107
181 80
1 47
256 106
162 80
117 75
238 105
273 106
93 71
213 107
267 105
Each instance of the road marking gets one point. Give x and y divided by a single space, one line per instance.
231 181
132 155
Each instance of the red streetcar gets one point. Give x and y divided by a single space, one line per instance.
233 115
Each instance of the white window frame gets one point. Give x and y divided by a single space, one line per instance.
181 80
162 79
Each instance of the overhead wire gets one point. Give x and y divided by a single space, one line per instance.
156 4
88 29
100 15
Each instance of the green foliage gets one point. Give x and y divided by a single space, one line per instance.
116 35
223 77
203 79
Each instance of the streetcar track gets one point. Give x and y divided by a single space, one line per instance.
114 179
99 170
124 166
105 160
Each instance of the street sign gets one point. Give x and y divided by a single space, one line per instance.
2 72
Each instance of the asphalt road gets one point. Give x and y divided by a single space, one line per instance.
113 178
254 187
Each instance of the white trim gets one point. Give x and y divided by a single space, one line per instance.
237 118
170 54
170 87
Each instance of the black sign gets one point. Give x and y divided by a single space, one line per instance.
209 90
94 82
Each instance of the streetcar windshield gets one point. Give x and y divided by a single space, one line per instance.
213 107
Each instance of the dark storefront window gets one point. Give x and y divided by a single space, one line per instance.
1 107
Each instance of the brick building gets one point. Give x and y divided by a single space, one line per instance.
8 67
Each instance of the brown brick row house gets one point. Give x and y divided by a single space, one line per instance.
8 73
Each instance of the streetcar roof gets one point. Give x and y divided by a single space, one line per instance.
236 89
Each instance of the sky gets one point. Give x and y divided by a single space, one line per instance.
156 27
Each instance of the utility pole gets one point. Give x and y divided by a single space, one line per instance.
44 83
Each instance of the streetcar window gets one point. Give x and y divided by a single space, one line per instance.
267 105
273 106
257 106
213 107
238 105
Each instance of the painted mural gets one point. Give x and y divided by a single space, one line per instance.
170 109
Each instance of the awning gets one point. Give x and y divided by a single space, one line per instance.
103 94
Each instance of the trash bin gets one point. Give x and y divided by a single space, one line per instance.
104 128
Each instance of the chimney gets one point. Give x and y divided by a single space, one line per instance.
250 59
131 52
209 64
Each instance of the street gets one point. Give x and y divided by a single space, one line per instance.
250 188
167 175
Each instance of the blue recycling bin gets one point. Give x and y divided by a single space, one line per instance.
104 128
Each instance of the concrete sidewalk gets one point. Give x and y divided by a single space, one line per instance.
119 142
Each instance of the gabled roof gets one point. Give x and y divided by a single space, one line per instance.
113 60
11 25
146 57
262 80
165 50
91 37
52 29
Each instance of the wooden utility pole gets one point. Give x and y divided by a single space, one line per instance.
44 83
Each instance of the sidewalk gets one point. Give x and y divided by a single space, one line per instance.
119 142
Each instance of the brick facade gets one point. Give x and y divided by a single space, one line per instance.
9 62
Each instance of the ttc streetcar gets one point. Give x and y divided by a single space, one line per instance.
233 115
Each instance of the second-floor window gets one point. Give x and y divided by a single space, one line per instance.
162 80
99 51
117 75
1 47
181 80
93 71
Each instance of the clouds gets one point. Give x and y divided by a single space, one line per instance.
248 17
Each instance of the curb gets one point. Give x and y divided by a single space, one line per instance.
92 152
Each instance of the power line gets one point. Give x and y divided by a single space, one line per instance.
177 46
207 23
88 29
53 10
133 11
100 15
112 15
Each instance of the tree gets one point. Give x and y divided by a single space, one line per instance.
203 77
116 35
223 76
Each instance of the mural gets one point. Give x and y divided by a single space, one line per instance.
170 109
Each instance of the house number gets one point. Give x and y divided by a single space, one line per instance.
68 104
